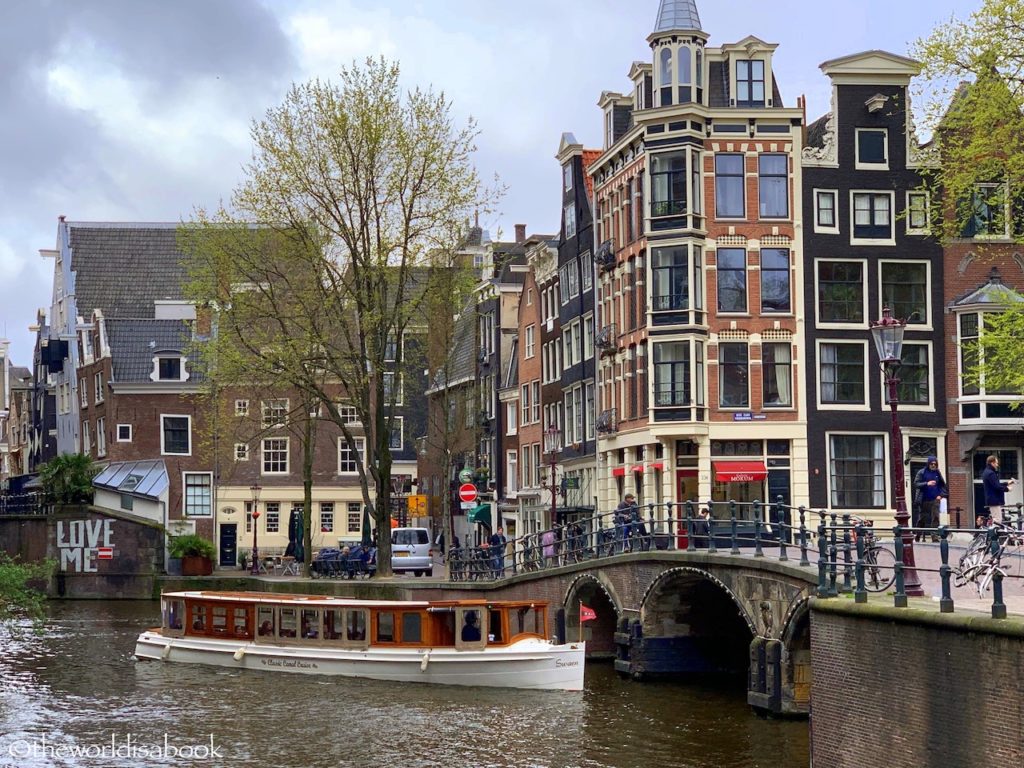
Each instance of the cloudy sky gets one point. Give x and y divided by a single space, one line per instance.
138 110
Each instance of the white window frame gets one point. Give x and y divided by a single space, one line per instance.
932 373
567 176
101 437
326 517
360 451
891 240
511 472
822 406
511 417
587 271
864 293
397 388
98 383
241 451
926 229
263 456
86 442
267 408
83 392
184 494
118 437
570 220
885 465
927 324
163 447
397 422
183 373
822 229
354 508
862 166
588 336
241 407
524 402
347 413
530 347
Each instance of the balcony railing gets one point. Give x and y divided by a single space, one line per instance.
607 339
605 256
607 423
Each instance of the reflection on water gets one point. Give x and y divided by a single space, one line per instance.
79 685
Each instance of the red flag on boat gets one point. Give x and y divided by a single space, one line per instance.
587 614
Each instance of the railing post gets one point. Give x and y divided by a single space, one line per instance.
670 524
690 532
860 594
735 550
833 552
784 527
847 554
899 600
803 537
946 601
711 527
757 528
998 606
822 559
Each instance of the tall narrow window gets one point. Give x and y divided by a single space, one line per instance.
668 184
732 280
671 269
775 290
857 471
665 76
913 386
841 371
750 83
733 376
841 292
905 290
729 186
684 74
776 373
773 185
672 373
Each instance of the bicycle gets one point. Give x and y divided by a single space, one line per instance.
879 560
980 562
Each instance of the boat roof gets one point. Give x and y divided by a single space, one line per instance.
344 602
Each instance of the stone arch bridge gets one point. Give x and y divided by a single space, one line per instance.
684 612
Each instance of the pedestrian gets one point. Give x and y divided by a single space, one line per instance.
497 548
995 489
624 520
931 489
439 542
547 542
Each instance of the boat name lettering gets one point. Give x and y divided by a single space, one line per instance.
290 663
560 663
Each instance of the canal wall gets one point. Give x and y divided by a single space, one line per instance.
97 553
914 687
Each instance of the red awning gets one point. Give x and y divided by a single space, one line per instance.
658 465
638 468
618 471
740 471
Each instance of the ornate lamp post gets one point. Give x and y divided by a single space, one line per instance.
255 489
553 440
888 335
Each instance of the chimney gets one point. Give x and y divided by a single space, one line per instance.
61 218
520 233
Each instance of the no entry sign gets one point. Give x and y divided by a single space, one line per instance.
467 492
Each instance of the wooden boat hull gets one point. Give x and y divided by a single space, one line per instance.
529 664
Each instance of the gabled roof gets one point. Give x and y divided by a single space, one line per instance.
677 15
123 268
993 293
138 478
135 341
875 65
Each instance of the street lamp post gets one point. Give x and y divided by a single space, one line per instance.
255 489
888 335
553 438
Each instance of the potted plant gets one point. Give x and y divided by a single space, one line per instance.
196 554
243 559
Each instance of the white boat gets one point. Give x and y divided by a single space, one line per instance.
498 643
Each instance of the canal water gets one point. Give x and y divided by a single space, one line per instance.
74 696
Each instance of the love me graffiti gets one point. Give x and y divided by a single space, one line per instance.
82 542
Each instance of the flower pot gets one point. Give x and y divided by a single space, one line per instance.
195 565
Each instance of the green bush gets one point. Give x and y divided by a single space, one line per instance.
67 479
192 545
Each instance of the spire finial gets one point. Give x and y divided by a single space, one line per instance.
677 15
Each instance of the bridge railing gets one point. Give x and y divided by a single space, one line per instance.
757 528
23 504
845 559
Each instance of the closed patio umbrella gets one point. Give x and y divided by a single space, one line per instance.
367 533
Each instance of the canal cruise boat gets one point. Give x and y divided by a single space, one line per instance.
497 643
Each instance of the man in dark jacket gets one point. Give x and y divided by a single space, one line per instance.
624 521
995 489
931 489
496 545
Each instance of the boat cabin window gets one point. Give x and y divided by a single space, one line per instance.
355 626
220 619
495 635
333 625
174 611
240 621
310 624
471 632
265 620
412 628
197 618
289 623
529 620
385 627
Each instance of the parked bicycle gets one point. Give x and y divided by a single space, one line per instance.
879 560
981 560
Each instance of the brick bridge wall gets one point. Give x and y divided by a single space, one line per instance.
921 688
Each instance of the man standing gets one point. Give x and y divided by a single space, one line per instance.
624 520
497 546
931 489
995 489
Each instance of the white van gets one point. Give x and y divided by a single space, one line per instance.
411 552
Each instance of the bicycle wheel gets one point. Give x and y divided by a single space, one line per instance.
881 573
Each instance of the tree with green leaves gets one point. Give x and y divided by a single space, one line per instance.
350 189
67 479
20 594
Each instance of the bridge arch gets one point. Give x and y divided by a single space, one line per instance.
595 590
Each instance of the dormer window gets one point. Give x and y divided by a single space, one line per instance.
750 83
872 148
169 366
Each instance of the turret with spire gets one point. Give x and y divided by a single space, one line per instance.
678 45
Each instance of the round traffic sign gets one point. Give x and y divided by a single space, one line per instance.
467 492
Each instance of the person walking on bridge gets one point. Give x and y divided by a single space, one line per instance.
624 521
931 489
